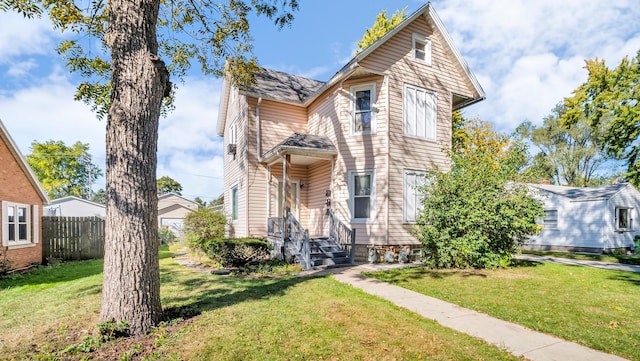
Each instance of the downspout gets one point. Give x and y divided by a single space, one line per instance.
258 150
386 88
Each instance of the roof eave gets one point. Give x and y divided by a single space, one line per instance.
22 162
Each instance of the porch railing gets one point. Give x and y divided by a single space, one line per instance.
299 238
343 235
275 226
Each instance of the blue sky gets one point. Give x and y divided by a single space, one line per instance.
527 55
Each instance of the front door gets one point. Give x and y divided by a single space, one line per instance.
294 191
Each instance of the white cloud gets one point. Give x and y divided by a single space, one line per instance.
529 55
21 68
20 36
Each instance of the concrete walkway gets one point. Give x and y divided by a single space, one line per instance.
576 262
516 339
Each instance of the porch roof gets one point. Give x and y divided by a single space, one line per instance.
304 149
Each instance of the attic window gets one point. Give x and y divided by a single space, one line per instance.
421 49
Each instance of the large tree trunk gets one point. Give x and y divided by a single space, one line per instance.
131 289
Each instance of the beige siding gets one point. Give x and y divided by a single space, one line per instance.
278 121
235 166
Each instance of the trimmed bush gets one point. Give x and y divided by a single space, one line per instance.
238 252
203 225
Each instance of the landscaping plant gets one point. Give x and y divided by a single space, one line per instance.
473 215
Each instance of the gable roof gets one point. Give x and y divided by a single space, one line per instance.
174 194
22 163
579 194
301 91
305 145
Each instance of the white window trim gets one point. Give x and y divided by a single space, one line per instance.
546 225
235 204
352 107
32 221
372 204
629 219
434 136
233 132
427 48
414 193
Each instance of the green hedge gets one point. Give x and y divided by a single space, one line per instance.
238 252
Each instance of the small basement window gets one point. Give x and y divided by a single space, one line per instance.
550 220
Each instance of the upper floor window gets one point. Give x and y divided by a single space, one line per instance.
361 195
19 224
363 98
420 112
233 133
421 49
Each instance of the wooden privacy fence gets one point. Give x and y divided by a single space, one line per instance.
72 238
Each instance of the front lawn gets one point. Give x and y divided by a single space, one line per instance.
593 307
51 313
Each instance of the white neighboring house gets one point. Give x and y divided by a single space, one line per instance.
74 207
172 208
590 219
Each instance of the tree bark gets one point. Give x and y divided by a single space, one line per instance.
139 80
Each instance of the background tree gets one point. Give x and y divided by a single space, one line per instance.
168 185
381 26
473 215
129 82
609 100
572 152
100 196
63 170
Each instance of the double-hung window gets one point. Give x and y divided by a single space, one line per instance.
413 195
421 49
363 98
19 224
550 220
623 219
362 195
420 112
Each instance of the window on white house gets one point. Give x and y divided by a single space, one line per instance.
420 113
19 224
233 133
362 108
234 203
421 49
413 196
550 220
623 218
362 195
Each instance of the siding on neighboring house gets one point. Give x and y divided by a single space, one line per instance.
74 207
17 186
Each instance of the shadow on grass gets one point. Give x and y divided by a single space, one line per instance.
229 291
624 259
519 263
629 277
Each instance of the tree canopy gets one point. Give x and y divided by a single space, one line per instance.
568 154
380 27
474 216
608 99
168 185
63 170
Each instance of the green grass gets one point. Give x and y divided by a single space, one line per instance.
222 318
593 307
624 259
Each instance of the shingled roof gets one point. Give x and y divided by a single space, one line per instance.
276 85
583 194
303 144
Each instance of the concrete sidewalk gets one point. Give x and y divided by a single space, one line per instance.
577 262
516 339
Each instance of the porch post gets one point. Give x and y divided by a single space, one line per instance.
285 228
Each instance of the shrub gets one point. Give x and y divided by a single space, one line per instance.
5 263
472 216
238 252
203 225
166 236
